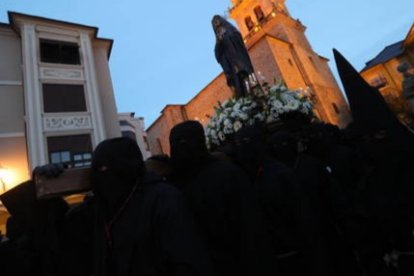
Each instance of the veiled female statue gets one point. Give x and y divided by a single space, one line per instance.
232 55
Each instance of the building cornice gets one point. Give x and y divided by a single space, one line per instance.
16 19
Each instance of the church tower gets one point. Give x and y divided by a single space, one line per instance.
279 48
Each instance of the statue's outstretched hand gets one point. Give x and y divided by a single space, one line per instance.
49 170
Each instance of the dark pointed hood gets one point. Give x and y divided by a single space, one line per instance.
370 112
20 199
369 109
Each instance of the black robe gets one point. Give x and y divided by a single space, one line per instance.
226 211
321 247
154 235
387 194
279 202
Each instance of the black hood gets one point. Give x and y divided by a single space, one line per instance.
20 199
250 149
188 145
369 109
371 114
117 165
122 155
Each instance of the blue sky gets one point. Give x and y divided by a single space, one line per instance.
163 50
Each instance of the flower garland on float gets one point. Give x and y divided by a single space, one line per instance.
265 104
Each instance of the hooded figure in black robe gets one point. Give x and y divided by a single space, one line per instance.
386 187
141 225
223 204
33 231
277 200
232 55
294 194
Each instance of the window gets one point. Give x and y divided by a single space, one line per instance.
82 159
74 151
290 62
259 13
379 82
63 98
59 52
60 157
335 107
249 23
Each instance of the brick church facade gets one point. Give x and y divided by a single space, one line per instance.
278 48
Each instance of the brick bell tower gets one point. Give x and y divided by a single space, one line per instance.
279 48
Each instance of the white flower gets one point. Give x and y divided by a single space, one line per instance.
292 105
285 109
221 117
259 116
273 89
307 107
277 104
236 114
213 134
221 136
269 119
287 97
278 88
237 125
228 129
227 122
303 110
237 106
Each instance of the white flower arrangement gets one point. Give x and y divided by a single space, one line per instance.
230 116
272 102
281 100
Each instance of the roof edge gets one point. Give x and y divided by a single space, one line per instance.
12 16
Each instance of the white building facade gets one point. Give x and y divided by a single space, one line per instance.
56 95
134 128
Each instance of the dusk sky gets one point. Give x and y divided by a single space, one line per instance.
163 50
